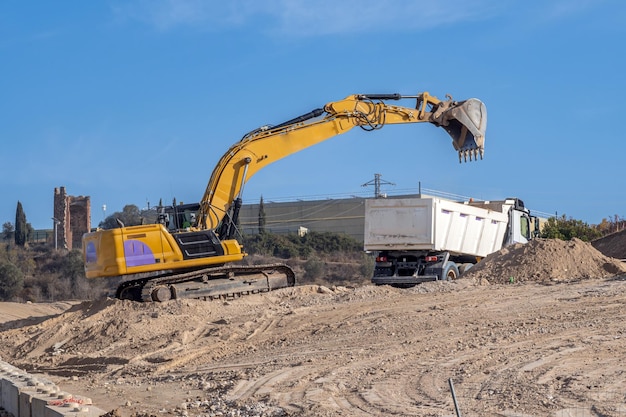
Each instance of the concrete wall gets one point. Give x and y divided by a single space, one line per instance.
24 395
338 216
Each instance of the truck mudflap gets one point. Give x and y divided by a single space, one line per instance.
398 281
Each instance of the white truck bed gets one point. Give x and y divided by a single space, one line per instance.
432 223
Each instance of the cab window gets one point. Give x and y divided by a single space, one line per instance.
524 225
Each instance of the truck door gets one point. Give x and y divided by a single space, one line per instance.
520 227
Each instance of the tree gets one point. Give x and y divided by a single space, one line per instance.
567 229
7 231
11 281
261 216
21 230
30 232
613 224
129 216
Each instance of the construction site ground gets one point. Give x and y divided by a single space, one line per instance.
534 330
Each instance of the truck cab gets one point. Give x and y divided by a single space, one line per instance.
521 227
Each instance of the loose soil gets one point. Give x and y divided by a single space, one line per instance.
533 330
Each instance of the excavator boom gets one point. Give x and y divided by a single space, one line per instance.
465 122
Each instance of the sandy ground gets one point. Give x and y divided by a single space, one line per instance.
31 312
542 346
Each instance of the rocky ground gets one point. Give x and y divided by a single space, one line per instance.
534 330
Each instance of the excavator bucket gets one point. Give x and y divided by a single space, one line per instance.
466 122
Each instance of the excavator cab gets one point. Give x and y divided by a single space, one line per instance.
178 218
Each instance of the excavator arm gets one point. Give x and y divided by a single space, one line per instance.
464 121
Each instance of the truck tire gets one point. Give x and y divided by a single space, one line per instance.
450 272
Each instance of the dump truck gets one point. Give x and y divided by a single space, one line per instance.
430 238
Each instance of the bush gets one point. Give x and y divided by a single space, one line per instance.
322 258
40 273
292 245
367 265
280 246
313 269
567 229
11 281
327 242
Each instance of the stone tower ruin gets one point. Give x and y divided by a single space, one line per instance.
72 216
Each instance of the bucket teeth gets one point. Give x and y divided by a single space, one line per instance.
465 154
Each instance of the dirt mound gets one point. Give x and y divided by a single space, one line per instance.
136 336
613 245
546 260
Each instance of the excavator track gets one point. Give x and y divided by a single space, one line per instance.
224 282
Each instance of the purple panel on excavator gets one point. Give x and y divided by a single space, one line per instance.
91 255
137 253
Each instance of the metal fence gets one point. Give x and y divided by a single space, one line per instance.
36 236
41 236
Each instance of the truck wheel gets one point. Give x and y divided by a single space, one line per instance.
450 272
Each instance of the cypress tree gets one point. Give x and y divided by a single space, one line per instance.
21 229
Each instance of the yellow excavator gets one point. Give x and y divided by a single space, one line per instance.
191 252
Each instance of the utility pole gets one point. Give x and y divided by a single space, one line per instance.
377 182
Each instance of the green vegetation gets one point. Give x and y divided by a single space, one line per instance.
318 257
130 215
294 246
11 281
567 229
7 231
20 225
39 273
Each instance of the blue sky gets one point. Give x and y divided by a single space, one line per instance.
134 101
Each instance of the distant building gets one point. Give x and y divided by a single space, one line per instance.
346 215
72 218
